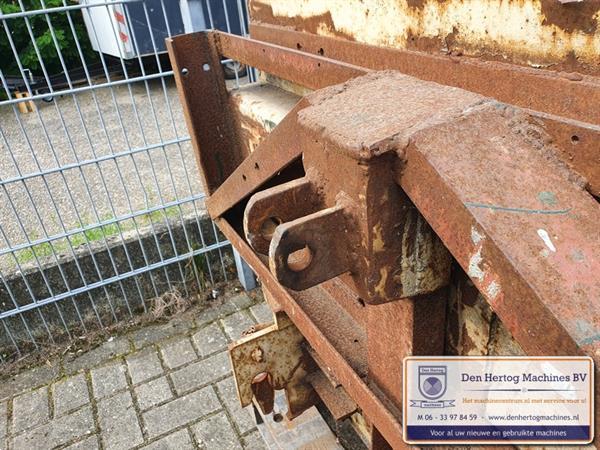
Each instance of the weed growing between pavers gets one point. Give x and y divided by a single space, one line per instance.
169 304
162 309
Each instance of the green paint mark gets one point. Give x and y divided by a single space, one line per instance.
547 198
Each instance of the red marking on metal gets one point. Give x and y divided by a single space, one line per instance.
120 17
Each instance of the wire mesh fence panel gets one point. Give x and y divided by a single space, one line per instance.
101 208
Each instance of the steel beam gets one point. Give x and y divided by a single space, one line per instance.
207 108
567 104
571 96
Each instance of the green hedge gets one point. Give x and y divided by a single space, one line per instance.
43 38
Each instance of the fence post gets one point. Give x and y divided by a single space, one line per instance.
245 274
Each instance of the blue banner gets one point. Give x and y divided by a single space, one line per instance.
494 433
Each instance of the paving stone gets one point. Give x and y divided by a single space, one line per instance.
210 339
181 411
3 418
153 392
241 416
32 378
109 350
262 313
216 433
201 372
218 309
178 353
241 301
254 441
108 379
155 333
30 409
118 421
70 394
179 440
235 324
57 432
143 366
89 443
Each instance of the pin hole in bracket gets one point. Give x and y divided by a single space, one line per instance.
299 260
267 228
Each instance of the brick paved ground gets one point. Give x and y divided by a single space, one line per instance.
166 386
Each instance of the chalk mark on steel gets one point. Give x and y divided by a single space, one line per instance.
518 210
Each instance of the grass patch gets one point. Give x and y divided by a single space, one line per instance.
91 235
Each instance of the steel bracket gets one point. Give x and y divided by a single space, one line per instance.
347 214
272 358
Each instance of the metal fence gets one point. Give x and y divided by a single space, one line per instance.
101 210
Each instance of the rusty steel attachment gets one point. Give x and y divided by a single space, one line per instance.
378 196
272 359
346 215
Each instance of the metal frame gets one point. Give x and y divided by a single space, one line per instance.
469 226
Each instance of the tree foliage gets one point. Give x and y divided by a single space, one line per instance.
45 42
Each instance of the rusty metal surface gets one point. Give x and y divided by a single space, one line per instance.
339 404
345 292
370 403
347 212
540 229
574 97
488 181
269 208
313 239
210 119
337 327
530 245
534 33
567 107
259 167
272 359
567 104
403 323
290 64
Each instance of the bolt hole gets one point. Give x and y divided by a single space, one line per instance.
355 341
263 50
256 166
277 417
318 64
206 67
574 139
243 177
299 46
268 227
300 259
185 71
321 52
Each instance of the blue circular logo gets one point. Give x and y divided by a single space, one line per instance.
432 386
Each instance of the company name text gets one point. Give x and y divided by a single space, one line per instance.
489 377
